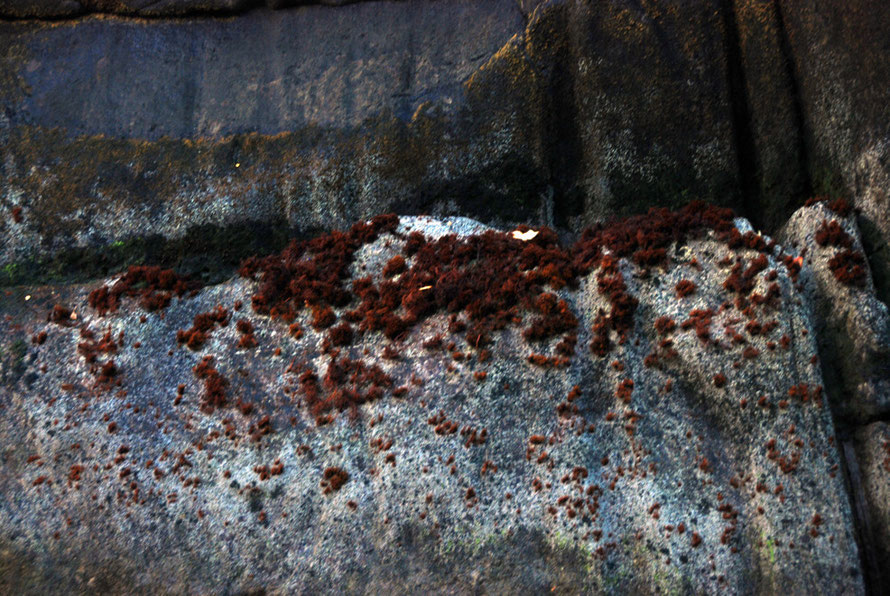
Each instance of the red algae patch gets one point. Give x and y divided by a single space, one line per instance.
203 323
389 341
831 233
684 288
153 286
840 206
333 479
849 268
484 282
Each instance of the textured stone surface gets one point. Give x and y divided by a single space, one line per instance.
854 324
872 449
597 495
565 115
555 112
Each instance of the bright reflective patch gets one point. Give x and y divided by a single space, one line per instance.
524 236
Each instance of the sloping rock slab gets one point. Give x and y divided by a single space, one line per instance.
610 429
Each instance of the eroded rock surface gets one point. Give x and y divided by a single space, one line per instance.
434 403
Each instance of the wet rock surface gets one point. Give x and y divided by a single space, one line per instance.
642 410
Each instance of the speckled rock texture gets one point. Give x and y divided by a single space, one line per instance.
683 442
854 325
194 133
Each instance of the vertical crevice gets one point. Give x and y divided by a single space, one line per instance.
561 127
742 133
872 574
797 109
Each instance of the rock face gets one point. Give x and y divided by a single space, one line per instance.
550 112
139 135
872 450
24 9
644 410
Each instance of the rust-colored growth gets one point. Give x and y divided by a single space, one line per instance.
486 278
395 266
751 240
414 242
566 346
849 268
247 339
74 472
574 393
107 372
433 343
310 271
840 206
153 285
203 323
741 280
684 288
214 384
625 390
322 317
348 383
696 540
664 325
333 479
548 361
833 234
556 319
61 315
17 214
700 320
611 284
750 352
719 380
342 335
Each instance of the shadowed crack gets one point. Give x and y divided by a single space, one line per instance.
52 10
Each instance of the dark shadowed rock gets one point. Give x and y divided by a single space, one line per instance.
564 115
24 9
646 457
872 450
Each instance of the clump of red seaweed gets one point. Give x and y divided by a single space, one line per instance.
202 325
153 285
849 268
831 233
